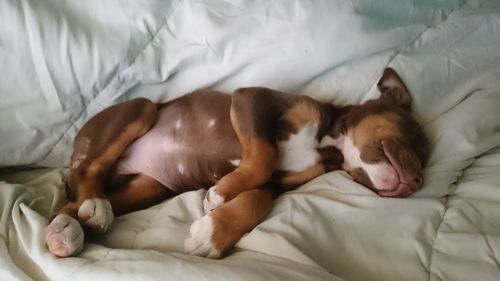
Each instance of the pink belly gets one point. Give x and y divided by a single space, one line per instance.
191 146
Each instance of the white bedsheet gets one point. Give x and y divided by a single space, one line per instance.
62 62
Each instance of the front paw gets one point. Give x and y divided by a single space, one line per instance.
64 236
200 241
212 200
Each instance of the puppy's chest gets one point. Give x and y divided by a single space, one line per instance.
298 151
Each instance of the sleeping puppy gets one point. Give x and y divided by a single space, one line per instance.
246 149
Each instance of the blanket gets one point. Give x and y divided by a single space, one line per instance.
64 61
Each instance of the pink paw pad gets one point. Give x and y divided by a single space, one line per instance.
64 236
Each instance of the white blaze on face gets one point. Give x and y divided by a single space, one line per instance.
382 175
352 155
299 151
178 124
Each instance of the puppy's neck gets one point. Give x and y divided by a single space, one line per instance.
331 120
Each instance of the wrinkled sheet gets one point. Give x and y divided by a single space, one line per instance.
62 62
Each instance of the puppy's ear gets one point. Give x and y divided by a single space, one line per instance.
393 89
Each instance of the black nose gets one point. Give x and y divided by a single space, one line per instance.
418 180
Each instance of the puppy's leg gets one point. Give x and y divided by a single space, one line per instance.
139 193
96 148
218 231
255 116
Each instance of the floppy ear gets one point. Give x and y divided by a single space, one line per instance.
392 88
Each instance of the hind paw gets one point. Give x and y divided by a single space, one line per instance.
64 236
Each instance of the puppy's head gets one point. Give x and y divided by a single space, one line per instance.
384 148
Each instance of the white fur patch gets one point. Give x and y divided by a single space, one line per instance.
76 163
96 214
352 155
64 236
380 174
212 200
199 242
211 123
180 167
178 124
299 151
79 157
235 162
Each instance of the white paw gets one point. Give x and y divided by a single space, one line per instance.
96 214
64 236
212 200
199 242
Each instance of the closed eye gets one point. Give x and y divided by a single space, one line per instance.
373 153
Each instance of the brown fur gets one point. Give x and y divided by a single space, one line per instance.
138 193
302 112
292 180
238 216
118 128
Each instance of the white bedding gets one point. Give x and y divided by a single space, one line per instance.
62 62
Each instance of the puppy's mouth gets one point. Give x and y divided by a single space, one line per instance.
401 182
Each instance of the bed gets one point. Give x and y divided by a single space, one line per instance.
64 61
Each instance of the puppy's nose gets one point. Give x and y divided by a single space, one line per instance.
418 180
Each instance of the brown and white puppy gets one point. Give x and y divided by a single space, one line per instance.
246 148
